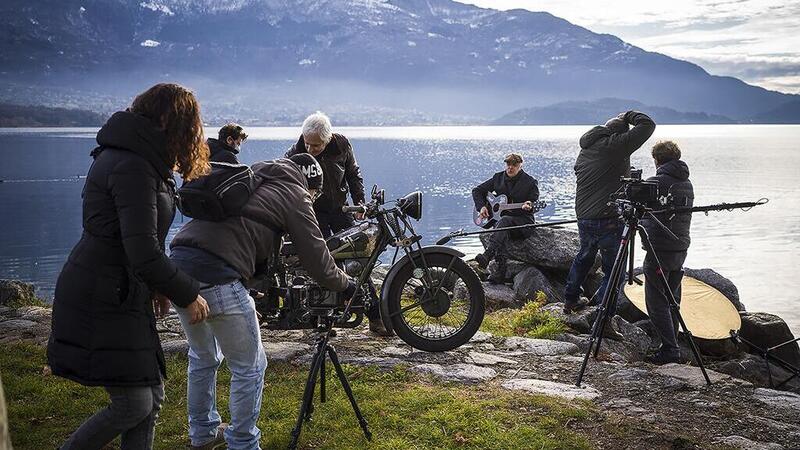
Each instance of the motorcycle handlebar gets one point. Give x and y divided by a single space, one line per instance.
354 209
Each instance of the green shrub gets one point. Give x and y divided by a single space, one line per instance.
529 321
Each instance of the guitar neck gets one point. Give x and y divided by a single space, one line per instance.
508 206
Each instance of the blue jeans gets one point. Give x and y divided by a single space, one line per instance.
231 331
595 234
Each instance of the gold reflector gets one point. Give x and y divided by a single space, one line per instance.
708 314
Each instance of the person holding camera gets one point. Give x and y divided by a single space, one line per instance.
226 147
118 278
221 255
672 176
519 187
342 174
603 159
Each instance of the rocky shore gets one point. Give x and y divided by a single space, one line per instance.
670 405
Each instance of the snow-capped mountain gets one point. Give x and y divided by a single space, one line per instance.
430 54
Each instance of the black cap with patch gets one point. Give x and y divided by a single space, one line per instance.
310 168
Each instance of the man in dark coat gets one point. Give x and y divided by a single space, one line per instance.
226 147
672 176
603 159
223 256
518 187
342 174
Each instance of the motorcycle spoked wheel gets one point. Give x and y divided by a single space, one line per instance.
438 319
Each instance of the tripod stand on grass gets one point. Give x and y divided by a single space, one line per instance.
632 213
323 351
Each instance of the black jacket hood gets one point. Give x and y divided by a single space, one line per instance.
594 135
675 168
133 132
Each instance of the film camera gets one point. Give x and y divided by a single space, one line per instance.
635 190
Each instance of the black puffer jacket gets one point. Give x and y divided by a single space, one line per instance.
103 326
604 158
341 174
222 152
672 178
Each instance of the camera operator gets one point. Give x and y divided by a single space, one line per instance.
223 254
603 159
672 176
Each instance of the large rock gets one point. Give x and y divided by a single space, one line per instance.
753 369
499 296
551 388
16 292
634 336
540 347
532 280
720 283
778 399
552 248
767 330
462 373
691 375
742 443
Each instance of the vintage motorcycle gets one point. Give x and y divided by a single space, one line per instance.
430 297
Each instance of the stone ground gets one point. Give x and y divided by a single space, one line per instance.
667 407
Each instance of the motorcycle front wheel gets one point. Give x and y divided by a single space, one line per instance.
437 309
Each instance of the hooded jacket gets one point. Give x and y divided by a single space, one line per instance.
341 174
103 326
673 179
603 159
222 152
280 203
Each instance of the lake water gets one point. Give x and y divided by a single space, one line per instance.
40 205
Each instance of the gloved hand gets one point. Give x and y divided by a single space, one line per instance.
351 289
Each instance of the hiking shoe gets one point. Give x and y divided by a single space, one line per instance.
217 442
482 260
376 326
571 307
662 357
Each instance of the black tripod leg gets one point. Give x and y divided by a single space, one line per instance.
308 394
322 381
346 385
601 311
608 308
673 303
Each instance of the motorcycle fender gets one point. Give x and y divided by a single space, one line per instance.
387 282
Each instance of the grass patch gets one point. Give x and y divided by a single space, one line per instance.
403 411
528 321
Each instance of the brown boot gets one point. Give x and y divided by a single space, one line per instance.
217 443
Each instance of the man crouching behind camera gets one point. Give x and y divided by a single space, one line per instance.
672 176
223 254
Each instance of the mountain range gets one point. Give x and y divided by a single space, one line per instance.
257 59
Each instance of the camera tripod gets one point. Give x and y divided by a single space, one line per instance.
632 213
324 350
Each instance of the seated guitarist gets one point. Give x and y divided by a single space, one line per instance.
519 187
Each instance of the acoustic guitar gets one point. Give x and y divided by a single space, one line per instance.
498 204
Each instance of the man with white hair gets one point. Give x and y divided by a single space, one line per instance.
340 169
340 176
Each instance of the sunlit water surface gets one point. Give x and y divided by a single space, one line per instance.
42 169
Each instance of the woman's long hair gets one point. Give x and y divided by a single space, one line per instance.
176 110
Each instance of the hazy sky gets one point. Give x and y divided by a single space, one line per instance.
755 40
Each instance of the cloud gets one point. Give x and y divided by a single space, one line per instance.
755 40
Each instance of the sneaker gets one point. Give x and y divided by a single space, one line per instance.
482 260
376 326
661 358
217 442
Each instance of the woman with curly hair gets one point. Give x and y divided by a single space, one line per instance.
117 277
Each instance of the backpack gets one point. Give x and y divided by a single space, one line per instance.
218 195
